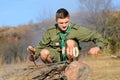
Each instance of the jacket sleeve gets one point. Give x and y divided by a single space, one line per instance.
86 35
43 43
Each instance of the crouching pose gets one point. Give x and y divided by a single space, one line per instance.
61 41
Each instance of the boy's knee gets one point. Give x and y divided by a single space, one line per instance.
70 43
44 52
45 56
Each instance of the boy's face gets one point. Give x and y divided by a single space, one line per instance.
63 23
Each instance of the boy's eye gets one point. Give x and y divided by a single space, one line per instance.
61 23
66 22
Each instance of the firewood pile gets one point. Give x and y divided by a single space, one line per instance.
53 71
76 70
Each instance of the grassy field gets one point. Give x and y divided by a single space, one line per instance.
102 67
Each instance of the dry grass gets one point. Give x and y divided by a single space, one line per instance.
102 68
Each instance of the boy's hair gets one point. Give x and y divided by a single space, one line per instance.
62 13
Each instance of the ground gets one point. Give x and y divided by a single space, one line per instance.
102 67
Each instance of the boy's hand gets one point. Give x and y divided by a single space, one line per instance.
94 50
32 57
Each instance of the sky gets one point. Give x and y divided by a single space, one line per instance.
20 12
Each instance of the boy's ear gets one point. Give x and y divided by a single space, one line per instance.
56 19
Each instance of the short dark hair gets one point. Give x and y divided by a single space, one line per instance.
62 13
